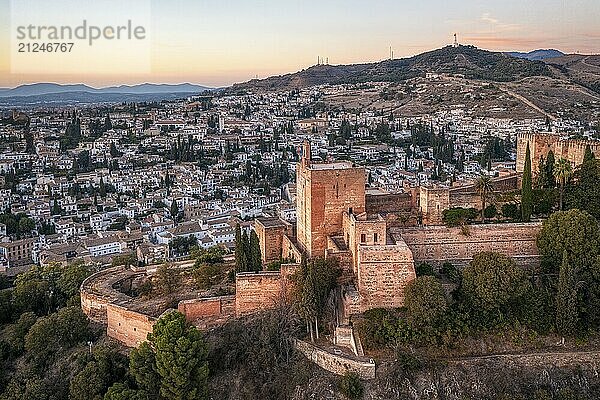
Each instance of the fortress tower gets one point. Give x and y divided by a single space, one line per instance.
324 192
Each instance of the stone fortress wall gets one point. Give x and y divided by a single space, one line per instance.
378 260
438 244
541 143
103 302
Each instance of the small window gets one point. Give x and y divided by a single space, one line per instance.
375 237
363 238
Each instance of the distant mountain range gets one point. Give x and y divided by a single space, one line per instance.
537 55
57 94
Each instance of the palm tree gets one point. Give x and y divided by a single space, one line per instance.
484 187
562 172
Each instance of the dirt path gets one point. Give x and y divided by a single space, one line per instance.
555 355
527 102
584 62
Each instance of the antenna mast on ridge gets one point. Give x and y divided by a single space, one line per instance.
455 44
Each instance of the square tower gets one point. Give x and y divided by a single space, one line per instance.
324 191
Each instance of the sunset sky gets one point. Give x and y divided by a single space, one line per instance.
219 42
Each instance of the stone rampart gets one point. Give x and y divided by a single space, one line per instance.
128 327
339 364
257 291
438 244
208 312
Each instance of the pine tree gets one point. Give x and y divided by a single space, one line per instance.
255 254
181 358
566 299
526 189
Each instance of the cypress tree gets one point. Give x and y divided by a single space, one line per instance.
526 189
588 155
102 188
550 161
255 256
240 255
246 246
566 299
174 210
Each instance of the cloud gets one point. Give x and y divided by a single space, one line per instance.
505 42
497 26
487 18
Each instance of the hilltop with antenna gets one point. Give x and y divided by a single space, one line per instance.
454 59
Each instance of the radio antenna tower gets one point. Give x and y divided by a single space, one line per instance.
455 44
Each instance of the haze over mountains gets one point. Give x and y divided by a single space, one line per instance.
54 93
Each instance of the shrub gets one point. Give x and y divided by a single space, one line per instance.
451 272
208 275
490 211
511 211
459 216
351 386
424 270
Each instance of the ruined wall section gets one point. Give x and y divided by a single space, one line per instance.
337 363
209 312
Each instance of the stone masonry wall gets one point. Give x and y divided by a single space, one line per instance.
128 327
388 203
208 312
438 244
94 306
290 251
257 291
338 364
541 143
383 273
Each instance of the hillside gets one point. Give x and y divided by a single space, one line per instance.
537 55
581 69
468 61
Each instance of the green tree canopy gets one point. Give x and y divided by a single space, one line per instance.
425 301
574 231
492 281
